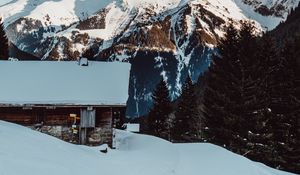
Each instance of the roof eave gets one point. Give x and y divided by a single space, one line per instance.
61 105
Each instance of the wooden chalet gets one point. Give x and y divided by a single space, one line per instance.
75 102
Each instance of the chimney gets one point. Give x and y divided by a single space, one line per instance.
83 62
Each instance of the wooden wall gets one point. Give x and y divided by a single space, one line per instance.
27 116
56 116
57 121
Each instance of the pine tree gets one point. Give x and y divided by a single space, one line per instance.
260 138
186 115
222 83
200 87
291 148
230 100
247 82
294 14
160 111
276 121
281 105
251 103
3 43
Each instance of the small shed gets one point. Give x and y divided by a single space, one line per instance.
132 127
65 99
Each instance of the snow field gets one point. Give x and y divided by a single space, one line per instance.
27 152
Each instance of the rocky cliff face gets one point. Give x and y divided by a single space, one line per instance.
168 39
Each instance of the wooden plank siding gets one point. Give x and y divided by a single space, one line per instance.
103 117
87 118
56 121
57 116
18 115
30 116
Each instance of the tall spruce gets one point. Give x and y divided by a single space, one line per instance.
261 143
222 87
4 54
247 103
230 99
291 115
251 103
199 88
160 111
281 105
186 115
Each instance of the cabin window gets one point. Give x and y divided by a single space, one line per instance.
27 108
50 107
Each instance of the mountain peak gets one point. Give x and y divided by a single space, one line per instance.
57 12
155 3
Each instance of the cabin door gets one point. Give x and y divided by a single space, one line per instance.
87 120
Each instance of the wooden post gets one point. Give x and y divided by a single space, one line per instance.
111 142
82 135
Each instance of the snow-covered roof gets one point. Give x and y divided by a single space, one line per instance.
132 127
63 83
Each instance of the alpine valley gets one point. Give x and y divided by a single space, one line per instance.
166 39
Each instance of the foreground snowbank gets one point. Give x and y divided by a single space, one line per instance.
26 152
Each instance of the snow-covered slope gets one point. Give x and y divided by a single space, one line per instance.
63 12
27 152
268 13
66 12
278 8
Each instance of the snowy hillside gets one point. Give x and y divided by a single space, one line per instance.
276 8
27 152
51 12
268 13
66 12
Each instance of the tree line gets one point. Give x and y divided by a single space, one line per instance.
175 121
250 102
4 53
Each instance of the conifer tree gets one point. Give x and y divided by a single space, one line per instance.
160 111
251 102
222 83
260 138
186 115
247 83
3 43
291 115
232 86
281 105
272 140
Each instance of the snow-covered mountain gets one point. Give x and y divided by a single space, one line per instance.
269 13
161 38
278 8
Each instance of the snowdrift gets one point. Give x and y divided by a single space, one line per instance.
27 152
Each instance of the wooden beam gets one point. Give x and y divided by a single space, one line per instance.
59 105
82 136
